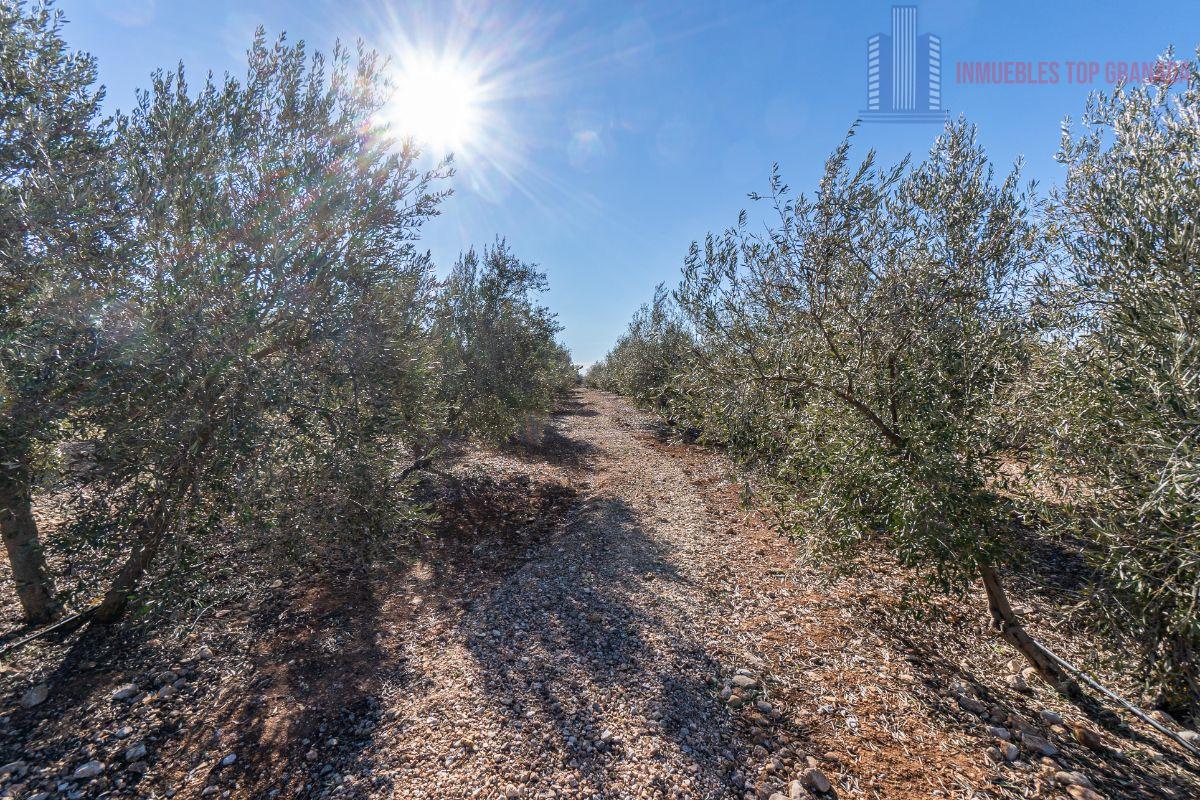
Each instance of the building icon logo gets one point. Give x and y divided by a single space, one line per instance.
904 73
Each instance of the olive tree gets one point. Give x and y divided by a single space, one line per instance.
861 352
1127 220
495 345
276 299
58 233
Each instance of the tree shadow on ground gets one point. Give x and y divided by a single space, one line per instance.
329 655
310 662
555 450
1114 773
560 643
310 701
581 640
573 406
83 666
1056 566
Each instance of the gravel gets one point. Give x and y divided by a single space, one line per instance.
597 666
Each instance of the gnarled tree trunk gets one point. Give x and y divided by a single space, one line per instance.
165 512
116 599
1005 620
35 589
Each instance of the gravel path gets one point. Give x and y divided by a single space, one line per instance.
593 670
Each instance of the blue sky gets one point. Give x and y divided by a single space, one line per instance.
613 134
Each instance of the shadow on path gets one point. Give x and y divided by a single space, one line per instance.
584 653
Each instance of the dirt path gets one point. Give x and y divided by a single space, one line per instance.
601 616
594 669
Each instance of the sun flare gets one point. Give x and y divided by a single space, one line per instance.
437 102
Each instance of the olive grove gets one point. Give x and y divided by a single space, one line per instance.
913 356
221 294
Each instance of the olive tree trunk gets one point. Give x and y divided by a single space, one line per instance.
35 589
150 538
1005 620
167 509
120 591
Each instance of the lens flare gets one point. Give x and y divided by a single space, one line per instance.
483 81
438 102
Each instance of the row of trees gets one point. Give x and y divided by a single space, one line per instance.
927 354
219 297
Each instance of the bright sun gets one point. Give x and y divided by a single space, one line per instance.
438 103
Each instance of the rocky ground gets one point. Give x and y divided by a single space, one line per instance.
601 615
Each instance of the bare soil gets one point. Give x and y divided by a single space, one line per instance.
605 615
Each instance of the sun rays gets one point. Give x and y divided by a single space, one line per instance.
438 102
